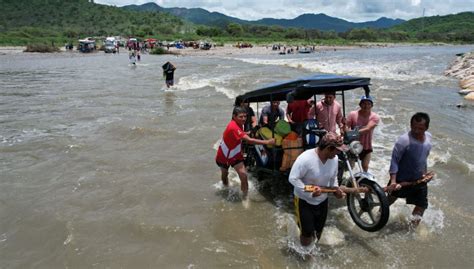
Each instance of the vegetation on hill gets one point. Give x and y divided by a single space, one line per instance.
459 27
62 21
23 22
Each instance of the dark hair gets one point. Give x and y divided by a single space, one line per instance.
419 116
238 100
238 110
330 92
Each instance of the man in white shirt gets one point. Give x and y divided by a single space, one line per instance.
316 167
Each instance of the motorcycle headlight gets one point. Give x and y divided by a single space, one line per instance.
356 147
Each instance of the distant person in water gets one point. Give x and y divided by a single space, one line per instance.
168 73
131 56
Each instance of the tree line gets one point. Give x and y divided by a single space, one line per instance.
26 22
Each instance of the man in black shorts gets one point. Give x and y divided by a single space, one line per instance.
316 167
409 164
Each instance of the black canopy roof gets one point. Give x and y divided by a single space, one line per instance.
306 87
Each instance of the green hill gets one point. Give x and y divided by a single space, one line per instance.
25 22
29 21
458 27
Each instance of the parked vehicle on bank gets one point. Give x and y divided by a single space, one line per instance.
366 200
205 46
87 45
110 45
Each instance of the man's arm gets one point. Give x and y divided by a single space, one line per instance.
288 114
373 122
369 127
296 174
397 153
340 118
250 140
282 113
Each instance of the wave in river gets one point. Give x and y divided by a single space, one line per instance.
404 70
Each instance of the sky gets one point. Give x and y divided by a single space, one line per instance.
351 10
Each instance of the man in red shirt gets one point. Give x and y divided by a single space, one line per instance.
297 113
229 152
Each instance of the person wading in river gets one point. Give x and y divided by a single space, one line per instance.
229 152
366 120
409 165
315 167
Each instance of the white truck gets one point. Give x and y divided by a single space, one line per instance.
110 45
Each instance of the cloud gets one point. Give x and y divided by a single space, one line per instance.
351 10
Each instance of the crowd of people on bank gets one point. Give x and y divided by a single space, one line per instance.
318 166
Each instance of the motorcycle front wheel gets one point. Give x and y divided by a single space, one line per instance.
369 210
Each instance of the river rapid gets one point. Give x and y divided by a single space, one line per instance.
102 167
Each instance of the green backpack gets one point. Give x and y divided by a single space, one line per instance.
282 128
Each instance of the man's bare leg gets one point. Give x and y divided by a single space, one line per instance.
242 172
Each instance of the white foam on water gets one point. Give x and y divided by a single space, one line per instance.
233 192
170 89
403 70
332 237
187 130
194 82
432 221
470 166
231 94
25 135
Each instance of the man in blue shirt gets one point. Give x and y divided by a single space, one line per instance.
271 113
409 164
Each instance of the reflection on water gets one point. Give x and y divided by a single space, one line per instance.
103 167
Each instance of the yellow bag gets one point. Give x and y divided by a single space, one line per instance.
266 133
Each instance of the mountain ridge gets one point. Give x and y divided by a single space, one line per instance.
319 21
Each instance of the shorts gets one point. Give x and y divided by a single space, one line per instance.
364 153
416 195
226 166
311 218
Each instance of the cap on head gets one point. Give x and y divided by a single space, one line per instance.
331 139
366 98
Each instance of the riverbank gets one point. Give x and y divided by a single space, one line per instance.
227 49
463 69
11 50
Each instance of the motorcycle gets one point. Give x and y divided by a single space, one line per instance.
369 208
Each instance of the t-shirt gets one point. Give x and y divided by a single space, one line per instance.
327 115
230 149
298 110
272 115
354 119
410 157
309 170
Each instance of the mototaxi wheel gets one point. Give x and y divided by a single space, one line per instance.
369 210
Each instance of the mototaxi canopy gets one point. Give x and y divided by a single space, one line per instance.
306 87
